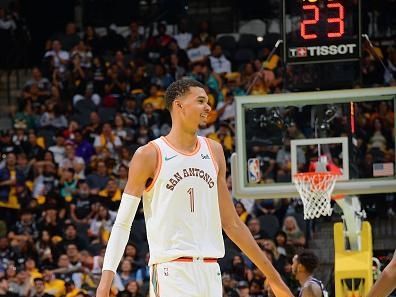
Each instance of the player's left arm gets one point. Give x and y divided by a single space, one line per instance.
238 232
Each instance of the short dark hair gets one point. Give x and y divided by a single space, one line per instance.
178 89
309 260
38 279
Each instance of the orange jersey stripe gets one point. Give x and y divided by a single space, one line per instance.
158 169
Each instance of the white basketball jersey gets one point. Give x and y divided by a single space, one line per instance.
181 205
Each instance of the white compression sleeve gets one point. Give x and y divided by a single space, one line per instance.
120 232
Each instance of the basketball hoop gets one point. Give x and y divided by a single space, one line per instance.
315 189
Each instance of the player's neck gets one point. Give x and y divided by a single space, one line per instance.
182 140
303 278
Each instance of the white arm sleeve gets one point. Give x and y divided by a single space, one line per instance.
120 233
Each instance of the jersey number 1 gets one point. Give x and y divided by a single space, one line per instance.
190 192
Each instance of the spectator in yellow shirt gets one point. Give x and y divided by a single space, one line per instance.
156 98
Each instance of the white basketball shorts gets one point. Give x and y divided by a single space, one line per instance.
186 277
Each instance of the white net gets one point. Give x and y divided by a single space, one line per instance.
315 189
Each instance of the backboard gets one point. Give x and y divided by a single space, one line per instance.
282 134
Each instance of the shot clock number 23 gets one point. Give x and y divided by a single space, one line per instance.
317 31
312 16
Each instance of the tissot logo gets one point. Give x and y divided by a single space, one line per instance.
324 50
205 157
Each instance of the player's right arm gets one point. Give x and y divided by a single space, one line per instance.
141 169
386 282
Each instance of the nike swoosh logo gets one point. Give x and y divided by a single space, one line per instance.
170 158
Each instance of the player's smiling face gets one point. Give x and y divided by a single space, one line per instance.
194 107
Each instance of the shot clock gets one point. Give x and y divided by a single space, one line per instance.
321 30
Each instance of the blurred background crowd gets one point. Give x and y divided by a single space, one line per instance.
92 98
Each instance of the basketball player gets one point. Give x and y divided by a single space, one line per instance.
304 265
386 282
182 178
